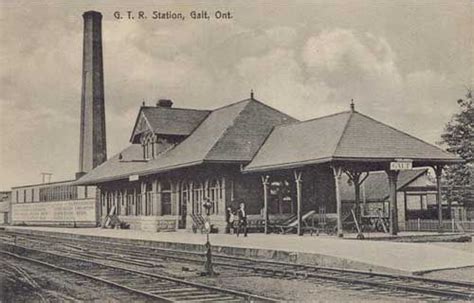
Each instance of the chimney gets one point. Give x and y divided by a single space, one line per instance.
92 149
164 103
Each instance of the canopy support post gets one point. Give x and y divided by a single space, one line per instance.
298 181
393 215
337 171
438 171
265 202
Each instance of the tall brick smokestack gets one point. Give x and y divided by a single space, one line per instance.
93 149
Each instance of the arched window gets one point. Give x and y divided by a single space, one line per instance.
109 202
214 194
165 197
130 202
148 199
103 199
138 201
153 146
198 195
184 197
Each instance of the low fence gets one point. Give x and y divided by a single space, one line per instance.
433 225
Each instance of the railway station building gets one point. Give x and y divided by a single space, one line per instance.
249 152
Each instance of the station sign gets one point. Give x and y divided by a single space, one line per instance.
401 164
133 178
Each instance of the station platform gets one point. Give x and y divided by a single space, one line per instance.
378 256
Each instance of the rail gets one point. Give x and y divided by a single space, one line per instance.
152 286
420 285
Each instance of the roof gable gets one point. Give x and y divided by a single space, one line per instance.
141 126
167 121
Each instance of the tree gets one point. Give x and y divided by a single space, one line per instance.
458 136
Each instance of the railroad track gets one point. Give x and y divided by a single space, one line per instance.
152 286
427 288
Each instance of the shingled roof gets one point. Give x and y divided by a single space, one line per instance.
376 187
168 120
344 136
230 134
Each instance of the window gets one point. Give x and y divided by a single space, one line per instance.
413 202
130 203
152 149
198 195
103 202
165 198
149 199
138 203
214 195
184 198
24 195
148 144
32 195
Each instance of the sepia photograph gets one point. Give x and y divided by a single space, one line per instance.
237 151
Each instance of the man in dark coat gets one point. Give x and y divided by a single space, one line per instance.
242 219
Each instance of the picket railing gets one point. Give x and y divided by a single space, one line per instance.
433 225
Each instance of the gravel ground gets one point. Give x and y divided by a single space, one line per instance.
282 289
61 287
304 291
53 286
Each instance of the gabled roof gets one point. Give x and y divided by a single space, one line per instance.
230 134
375 187
167 120
344 136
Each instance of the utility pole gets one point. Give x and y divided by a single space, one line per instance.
208 268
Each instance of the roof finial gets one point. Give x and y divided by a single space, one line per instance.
143 102
352 105
251 94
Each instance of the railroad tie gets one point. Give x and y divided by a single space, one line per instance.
166 291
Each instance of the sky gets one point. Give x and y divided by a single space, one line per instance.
404 63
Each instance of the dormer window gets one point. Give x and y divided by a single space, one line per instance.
148 144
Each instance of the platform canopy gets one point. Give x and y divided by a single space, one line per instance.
348 142
347 137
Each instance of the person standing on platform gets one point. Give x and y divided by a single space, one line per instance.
229 218
242 220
